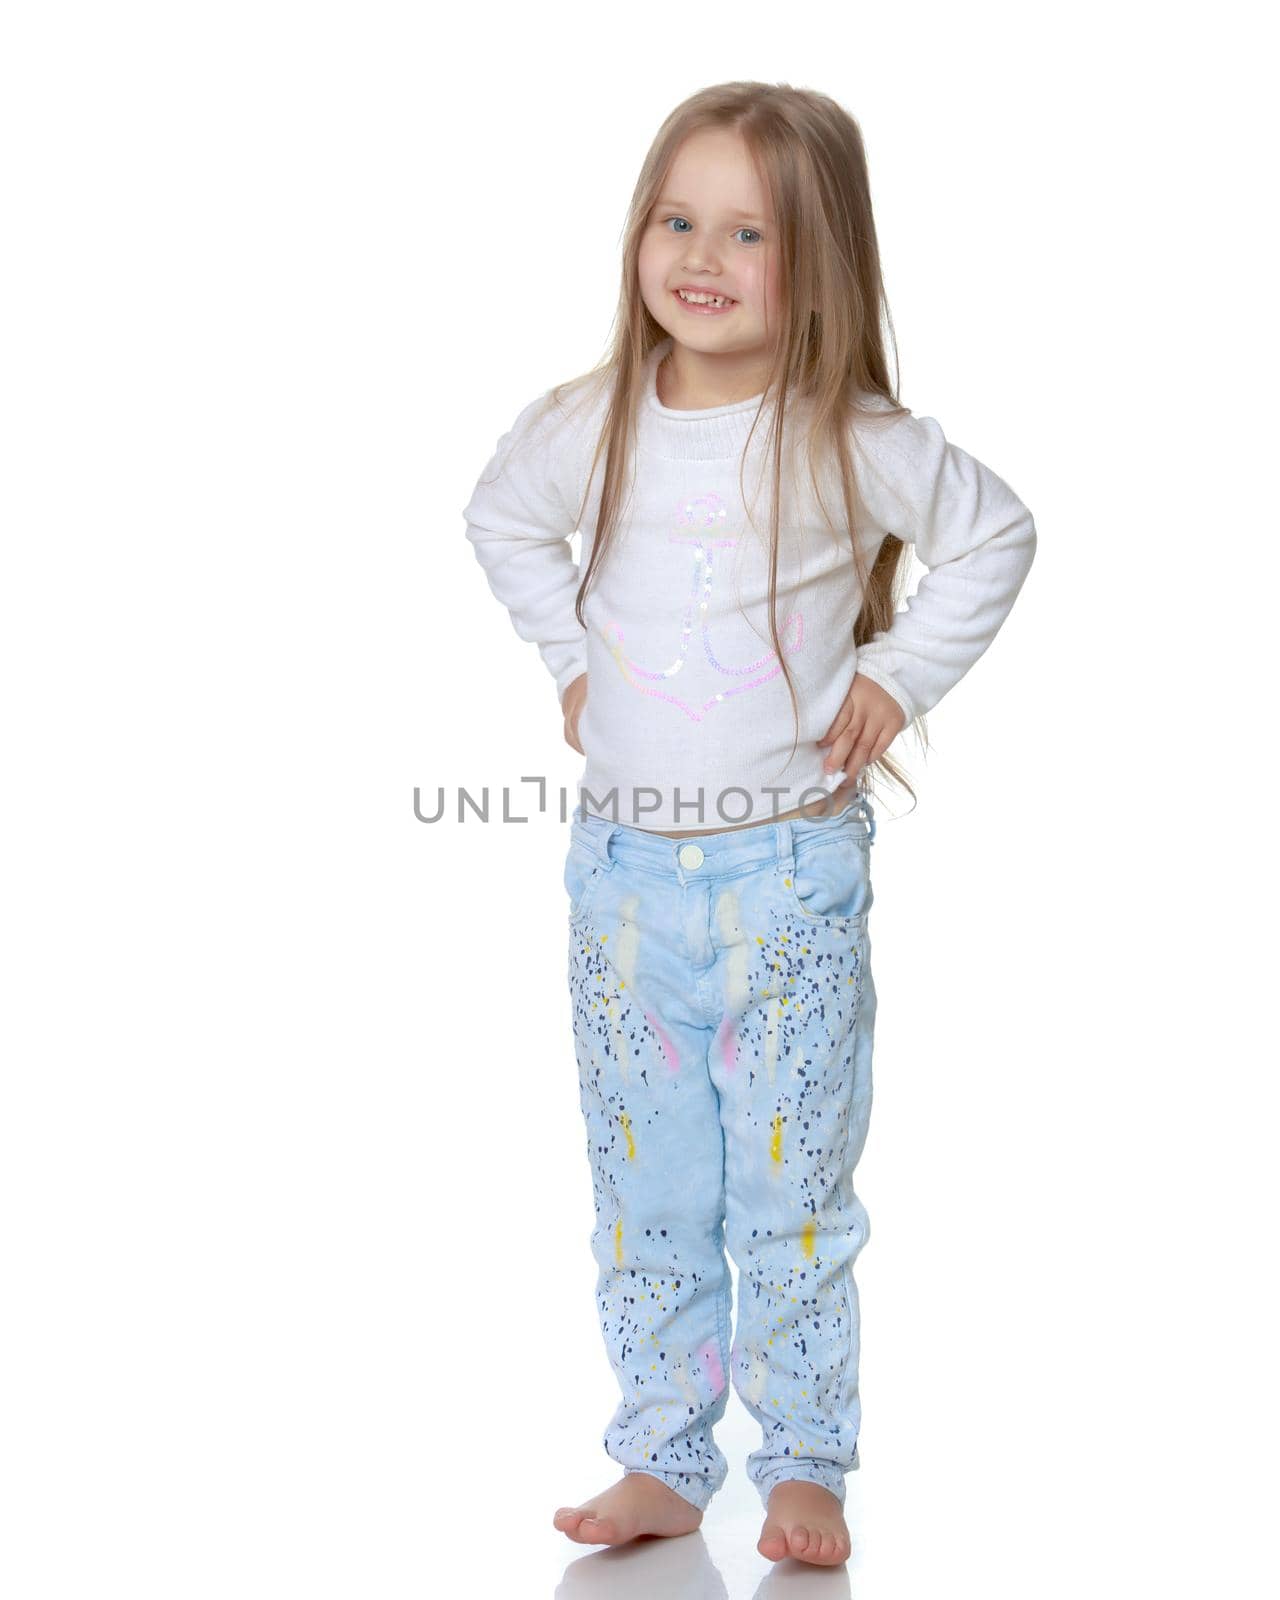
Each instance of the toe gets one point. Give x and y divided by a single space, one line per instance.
772 1542
571 1520
799 1540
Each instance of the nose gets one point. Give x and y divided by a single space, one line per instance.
702 262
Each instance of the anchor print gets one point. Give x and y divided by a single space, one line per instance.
703 512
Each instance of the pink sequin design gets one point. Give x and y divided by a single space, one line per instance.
704 511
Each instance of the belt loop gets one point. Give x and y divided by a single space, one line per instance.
606 857
867 814
786 850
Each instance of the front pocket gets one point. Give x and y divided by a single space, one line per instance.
582 870
831 883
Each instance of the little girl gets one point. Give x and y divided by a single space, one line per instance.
731 688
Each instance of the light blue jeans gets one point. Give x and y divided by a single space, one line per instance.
723 1011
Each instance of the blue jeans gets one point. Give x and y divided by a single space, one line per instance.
723 1011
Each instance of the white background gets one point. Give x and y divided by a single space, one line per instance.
294 1198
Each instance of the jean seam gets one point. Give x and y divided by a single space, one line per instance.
722 1321
846 1272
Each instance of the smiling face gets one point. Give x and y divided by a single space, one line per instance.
713 229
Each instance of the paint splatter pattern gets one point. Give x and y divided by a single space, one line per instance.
723 1029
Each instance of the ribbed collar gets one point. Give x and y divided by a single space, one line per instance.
717 433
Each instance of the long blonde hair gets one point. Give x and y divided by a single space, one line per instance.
810 155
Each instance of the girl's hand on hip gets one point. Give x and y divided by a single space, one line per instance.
575 697
863 729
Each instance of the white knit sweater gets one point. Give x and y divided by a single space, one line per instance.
688 722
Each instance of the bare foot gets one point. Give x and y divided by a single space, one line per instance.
638 1504
804 1521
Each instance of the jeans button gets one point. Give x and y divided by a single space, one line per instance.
691 856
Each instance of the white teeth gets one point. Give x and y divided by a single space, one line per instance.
703 299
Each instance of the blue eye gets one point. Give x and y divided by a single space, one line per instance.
743 229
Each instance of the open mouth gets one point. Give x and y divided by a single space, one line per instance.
708 305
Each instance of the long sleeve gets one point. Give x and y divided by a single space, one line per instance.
519 525
973 534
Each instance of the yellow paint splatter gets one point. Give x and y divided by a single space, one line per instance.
617 1242
807 1236
625 1120
775 1146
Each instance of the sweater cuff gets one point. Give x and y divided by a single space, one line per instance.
890 686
